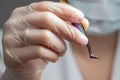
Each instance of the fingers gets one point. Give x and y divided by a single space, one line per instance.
47 39
61 10
47 20
85 23
25 54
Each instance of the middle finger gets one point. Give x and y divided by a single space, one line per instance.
47 20
46 38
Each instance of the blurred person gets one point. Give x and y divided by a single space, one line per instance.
41 32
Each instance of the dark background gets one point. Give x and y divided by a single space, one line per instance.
7 6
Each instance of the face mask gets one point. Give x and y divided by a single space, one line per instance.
103 27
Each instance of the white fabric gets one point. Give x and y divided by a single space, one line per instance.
107 10
2 66
66 68
116 67
104 15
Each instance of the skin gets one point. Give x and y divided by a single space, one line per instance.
31 36
97 69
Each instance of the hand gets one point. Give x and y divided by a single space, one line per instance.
34 35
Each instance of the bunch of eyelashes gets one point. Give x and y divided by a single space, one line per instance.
81 28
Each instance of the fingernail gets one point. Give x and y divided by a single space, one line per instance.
83 39
78 17
85 23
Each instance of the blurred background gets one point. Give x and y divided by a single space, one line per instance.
7 6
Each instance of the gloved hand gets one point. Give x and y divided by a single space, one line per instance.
34 35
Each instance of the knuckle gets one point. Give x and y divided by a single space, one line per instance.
62 51
40 52
6 25
73 33
46 34
54 59
20 11
47 17
10 40
16 10
44 3
7 39
10 56
34 4
10 24
47 14
45 55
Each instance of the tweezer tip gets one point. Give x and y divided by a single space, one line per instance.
94 57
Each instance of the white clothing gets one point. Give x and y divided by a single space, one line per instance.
104 15
2 66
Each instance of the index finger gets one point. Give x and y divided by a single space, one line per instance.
47 20
61 10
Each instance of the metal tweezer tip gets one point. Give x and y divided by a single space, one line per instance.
93 56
